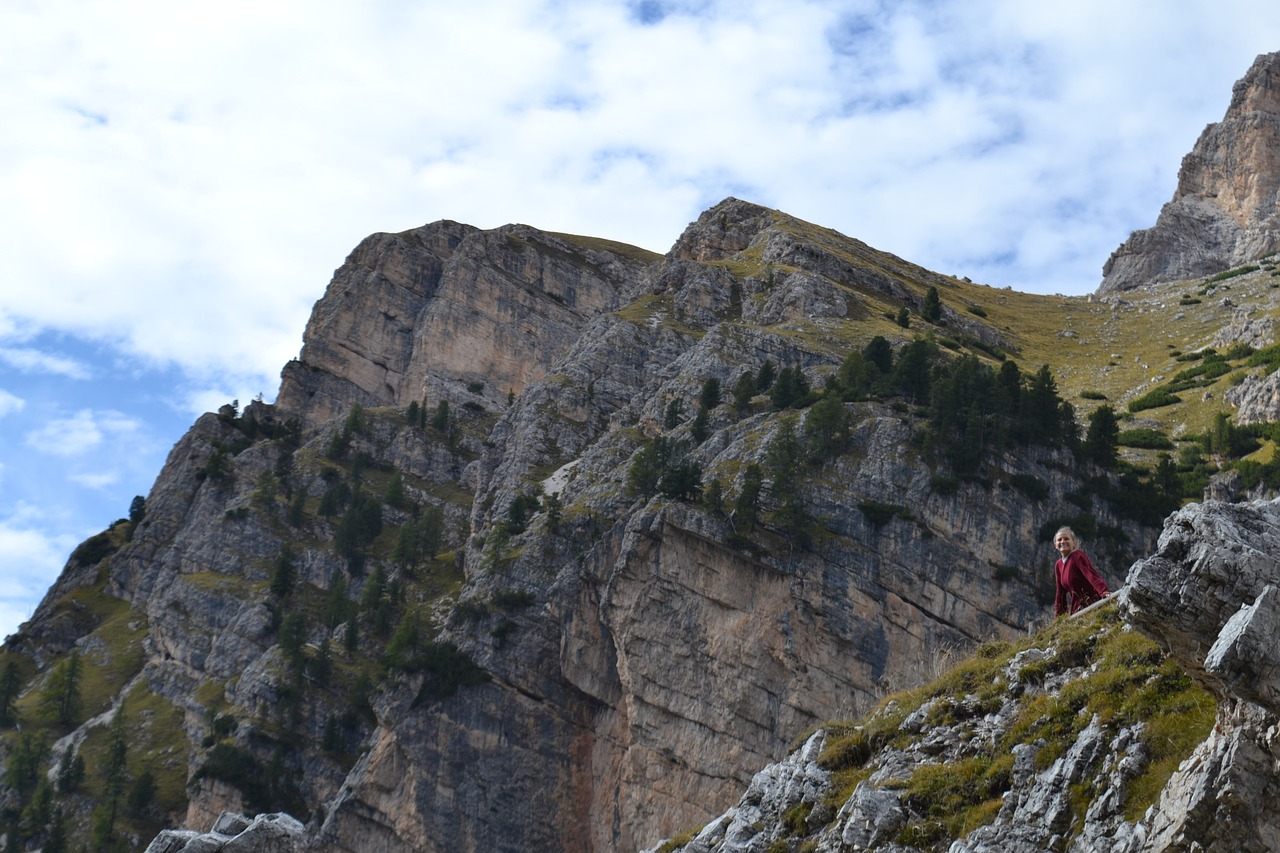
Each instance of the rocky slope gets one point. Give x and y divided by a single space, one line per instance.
548 543
1226 209
581 672
1084 738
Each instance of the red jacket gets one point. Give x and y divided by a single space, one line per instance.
1078 583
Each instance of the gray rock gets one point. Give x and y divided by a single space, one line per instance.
234 833
1224 211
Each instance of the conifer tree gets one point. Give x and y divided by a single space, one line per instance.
782 460
1101 440
826 428
282 573
746 509
440 420
931 308
60 697
709 398
766 376
671 418
10 687
743 390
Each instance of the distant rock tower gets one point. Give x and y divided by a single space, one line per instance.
1226 210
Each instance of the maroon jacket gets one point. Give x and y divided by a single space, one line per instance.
1078 583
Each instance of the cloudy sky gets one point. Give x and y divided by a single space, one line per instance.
178 180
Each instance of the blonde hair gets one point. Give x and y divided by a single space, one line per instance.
1067 530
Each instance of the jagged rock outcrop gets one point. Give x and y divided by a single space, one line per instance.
1226 209
1210 598
235 833
1257 399
450 311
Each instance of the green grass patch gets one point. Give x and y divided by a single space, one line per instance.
1123 679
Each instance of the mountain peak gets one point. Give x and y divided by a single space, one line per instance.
722 231
1226 209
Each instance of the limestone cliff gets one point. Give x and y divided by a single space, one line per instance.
1226 209
428 600
450 311
1084 738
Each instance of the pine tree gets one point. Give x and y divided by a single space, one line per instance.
931 308
766 376
1042 417
297 510
356 421
743 390
709 398
700 428
282 573
746 509
141 794
61 695
879 352
826 429
671 418
440 420
1101 440
10 687
70 771
395 496
782 461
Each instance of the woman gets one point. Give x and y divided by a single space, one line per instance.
1077 583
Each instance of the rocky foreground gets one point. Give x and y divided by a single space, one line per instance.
1066 741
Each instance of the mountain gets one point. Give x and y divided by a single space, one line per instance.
550 542
1226 209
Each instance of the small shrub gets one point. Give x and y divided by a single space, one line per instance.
879 513
93 550
1154 399
1223 276
1149 439
512 599
1031 486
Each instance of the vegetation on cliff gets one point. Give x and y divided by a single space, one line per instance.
751 436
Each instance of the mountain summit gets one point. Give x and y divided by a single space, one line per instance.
1226 210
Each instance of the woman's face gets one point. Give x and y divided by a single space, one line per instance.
1064 543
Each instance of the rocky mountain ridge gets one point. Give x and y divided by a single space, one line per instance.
549 543
633 658
1226 209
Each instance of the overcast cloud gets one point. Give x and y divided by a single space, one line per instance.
178 182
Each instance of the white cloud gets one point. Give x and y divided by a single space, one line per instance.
178 182
30 559
81 432
99 480
10 403
30 360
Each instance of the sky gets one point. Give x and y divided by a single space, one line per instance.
178 181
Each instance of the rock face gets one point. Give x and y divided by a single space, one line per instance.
1209 596
579 675
235 833
1226 209
433 311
